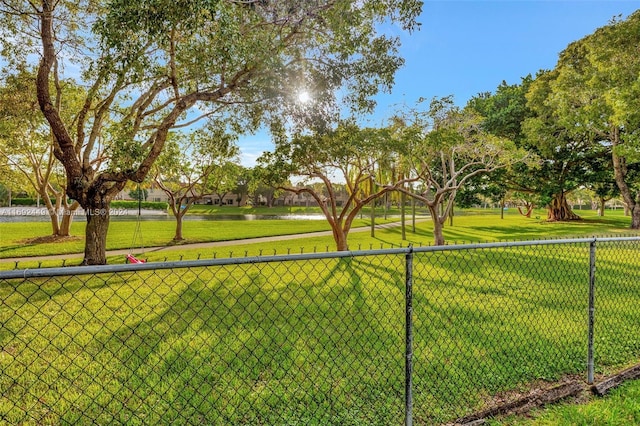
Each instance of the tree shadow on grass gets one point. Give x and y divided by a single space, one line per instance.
235 346
38 290
490 321
320 341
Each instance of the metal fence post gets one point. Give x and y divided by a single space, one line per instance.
592 286
408 366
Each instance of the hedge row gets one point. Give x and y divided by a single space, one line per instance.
150 205
29 202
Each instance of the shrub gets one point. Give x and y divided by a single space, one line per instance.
152 205
23 202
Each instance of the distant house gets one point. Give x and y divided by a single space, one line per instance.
305 200
228 199
155 194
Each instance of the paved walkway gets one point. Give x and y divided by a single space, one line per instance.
204 245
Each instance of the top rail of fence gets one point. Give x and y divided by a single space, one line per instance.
183 264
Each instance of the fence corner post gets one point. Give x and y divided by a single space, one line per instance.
592 287
408 367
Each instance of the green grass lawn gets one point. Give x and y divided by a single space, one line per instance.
15 237
154 233
317 342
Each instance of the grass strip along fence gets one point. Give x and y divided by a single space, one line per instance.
314 339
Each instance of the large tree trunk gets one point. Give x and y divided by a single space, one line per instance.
438 238
620 175
97 214
96 205
559 210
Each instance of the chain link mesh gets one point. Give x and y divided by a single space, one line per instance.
315 340
490 321
617 302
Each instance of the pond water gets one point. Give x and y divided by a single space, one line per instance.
35 214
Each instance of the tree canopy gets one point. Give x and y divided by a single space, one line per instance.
596 94
193 166
348 153
26 146
442 148
153 66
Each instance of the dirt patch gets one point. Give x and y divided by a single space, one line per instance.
50 239
525 389
515 403
541 393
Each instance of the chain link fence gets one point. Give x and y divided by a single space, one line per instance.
415 336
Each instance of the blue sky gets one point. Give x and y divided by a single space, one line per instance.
467 47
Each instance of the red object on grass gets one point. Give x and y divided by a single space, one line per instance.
132 259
